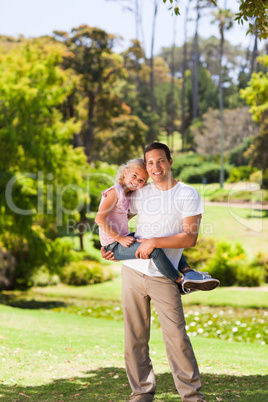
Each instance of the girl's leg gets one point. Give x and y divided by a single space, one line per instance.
183 265
158 256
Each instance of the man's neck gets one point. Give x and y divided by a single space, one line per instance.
167 184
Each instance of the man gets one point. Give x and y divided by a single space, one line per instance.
169 215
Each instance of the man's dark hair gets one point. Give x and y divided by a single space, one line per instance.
158 145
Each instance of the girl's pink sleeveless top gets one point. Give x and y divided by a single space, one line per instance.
118 216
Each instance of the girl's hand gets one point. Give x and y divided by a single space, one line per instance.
126 241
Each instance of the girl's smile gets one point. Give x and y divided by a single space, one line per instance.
134 179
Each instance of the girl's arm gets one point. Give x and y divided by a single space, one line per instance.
105 208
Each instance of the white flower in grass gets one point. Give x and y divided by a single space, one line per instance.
258 335
237 322
210 322
234 329
200 330
218 332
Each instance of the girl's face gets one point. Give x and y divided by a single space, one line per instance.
135 178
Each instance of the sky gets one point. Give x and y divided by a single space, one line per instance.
33 18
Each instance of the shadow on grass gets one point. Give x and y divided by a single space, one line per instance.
22 300
260 214
111 385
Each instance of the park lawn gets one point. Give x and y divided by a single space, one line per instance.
47 355
245 226
111 291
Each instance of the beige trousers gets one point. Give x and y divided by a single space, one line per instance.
137 292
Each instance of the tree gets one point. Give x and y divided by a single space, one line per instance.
256 95
207 133
140 101
208 96
224 17
152 56
248 9
115 148
90 56
184 68
135 8
38 166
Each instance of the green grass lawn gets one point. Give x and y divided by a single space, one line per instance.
249 227
46 355
111 291
55 345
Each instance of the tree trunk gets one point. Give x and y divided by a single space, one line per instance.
184 68
172 86
89 133
153 106
196 65
221 107
254 53
137 23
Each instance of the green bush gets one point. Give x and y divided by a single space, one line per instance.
85 272
208 172
225 262
60 253
42 277
238 156
256 177
261 261
182 161
241 173
200 255
249 276
265 179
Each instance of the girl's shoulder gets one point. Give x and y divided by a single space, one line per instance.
118 191
116 187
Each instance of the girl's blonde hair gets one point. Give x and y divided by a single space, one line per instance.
128 165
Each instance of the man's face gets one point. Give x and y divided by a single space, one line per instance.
158 166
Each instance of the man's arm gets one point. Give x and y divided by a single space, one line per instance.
185 239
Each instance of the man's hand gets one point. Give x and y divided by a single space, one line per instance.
146 248
109 255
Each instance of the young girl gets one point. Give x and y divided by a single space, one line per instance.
112 219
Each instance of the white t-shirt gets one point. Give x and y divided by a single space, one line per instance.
160 214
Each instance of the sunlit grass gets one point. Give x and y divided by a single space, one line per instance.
246 226
47 355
